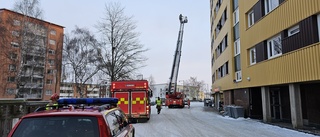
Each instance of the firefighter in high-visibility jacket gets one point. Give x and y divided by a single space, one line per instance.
53 104
158 101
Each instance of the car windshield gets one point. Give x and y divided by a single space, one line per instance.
63 126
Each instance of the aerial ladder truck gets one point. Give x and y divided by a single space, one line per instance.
174 98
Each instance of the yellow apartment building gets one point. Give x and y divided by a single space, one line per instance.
266 58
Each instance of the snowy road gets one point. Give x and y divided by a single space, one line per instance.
196 122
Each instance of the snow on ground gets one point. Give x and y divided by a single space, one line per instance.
198 122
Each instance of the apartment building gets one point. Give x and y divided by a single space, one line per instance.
265 58
69 90
30 56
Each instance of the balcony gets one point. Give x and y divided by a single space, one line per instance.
93 89
66 88
34 63
33 85
32 96
66 94
93 95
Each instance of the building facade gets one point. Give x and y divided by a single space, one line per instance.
30 56
69 90
265 58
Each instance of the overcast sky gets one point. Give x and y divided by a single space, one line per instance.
157 22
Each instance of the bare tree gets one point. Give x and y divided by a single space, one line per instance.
151 82
194 86
30 8
121 53
80 54
28 35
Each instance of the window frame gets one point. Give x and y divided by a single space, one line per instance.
236 16
271 47
268 5
49 81
12 67
251 18
14 44
237 49
13 56
51 51
10 91
16 22
53 32
15 33
52 42
48 92
253 57
11 79
318 17
50 71
51 62
292 29
238 75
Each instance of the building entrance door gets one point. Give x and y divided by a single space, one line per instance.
276 110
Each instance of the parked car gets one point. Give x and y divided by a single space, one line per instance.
73 119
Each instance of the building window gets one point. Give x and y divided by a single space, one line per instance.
237 63
13 56
51 51
274 47
50 71
51 62
212 60
52 42
252 56
15 33
14 44
270 5
12 67
293 30
10 91
236 31
11 79
238 76
250 18
235 16
237 47
16 22
235 4
318 25
53 32
49 81
48 92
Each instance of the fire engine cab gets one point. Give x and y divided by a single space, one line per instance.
134 98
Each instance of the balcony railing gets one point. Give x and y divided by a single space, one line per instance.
66 94
32 96
66 88
93 89
33 85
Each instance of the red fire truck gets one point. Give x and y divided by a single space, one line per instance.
134 98
174 98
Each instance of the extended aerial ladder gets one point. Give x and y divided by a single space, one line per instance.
174 98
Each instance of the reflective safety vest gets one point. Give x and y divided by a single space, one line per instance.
158 102
51 106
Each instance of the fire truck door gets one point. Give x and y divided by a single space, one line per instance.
139 102
123 102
